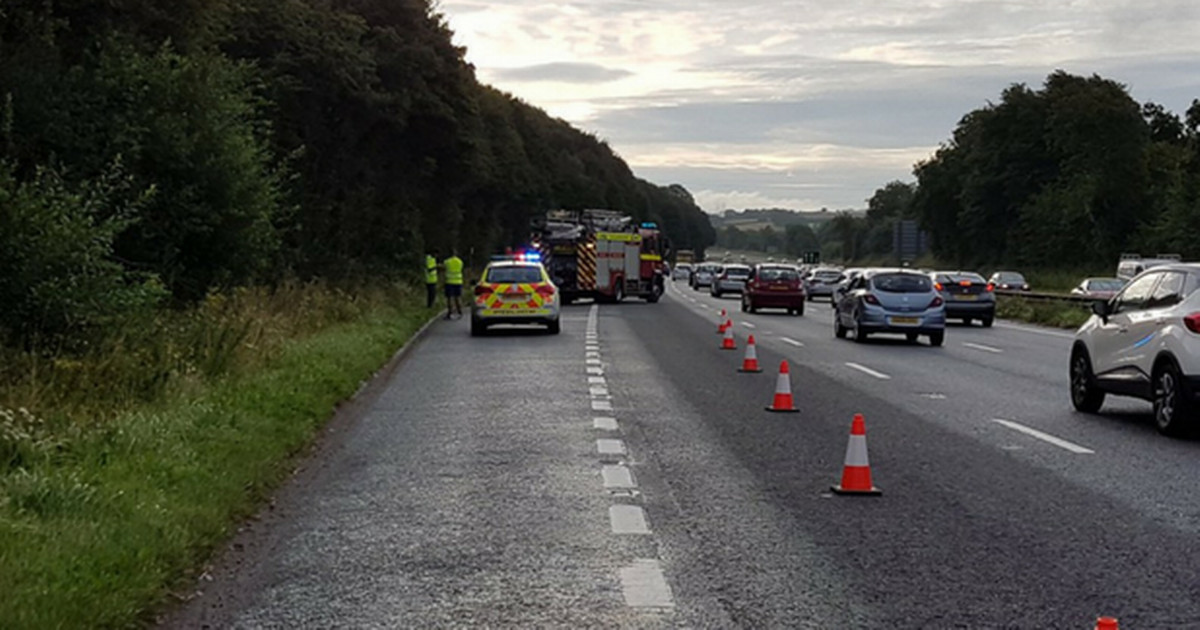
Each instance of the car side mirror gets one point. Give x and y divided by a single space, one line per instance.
1102 308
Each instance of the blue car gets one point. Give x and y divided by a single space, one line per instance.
890 301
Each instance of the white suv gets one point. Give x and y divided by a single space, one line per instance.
1144 342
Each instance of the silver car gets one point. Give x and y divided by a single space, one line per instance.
822 282
731 280
682 271
891 301
704 274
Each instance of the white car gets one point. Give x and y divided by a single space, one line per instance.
682 271
1145 343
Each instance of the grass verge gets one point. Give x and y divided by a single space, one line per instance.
1047 313
100 520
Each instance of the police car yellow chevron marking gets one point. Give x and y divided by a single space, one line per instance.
514 299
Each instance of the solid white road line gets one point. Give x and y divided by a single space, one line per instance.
645 586
628 519
1059 442
866 370
604 423
610 447
1037 331
792 342
749 325
617 477
601 405
978 346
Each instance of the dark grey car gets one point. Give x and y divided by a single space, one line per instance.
968 296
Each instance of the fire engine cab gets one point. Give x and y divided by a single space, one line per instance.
601 254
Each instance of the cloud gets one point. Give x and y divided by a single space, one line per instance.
561 72
808 103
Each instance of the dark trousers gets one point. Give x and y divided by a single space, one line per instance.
430 294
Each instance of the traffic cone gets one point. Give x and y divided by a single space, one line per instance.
1106 623
722 318
750 363
783 391
856 475
727 343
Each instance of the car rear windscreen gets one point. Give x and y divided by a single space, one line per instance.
514 275
827 275
775 275
737 272
902 283
955 278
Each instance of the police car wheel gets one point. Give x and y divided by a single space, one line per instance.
478 328
554 327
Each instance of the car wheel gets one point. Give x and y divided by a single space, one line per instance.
800 309
859 335
937 339
1086 396
478 328
554 327
911 337
966 321
839 330
987 322
619 292
745 305
1172 408
716 293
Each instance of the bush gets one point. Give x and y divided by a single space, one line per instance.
58 280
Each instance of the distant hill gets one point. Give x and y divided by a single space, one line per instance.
776 218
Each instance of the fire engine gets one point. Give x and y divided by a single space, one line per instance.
601 254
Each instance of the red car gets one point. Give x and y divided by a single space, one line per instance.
774 286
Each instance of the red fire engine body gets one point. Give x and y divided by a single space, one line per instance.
601 254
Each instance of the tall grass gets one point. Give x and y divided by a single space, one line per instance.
121 469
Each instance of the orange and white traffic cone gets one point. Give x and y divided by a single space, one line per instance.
750 363
727 342
783 391
722 318
1106 623
856 474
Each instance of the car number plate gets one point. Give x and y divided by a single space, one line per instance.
779 288
514 297
968 297
905 321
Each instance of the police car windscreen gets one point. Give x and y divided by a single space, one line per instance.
510 275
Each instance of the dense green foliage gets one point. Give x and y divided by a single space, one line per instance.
270 138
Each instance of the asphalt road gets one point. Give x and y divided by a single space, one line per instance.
623 474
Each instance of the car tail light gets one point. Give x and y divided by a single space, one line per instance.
937 301
938 286
1192 322
484 289
964 283
546 290
871 299
991 287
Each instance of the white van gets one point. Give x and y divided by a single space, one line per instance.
1133 264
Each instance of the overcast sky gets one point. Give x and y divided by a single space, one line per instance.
806 104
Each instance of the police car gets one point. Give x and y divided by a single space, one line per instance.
515 290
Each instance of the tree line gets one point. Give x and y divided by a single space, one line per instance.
153 152
1066 176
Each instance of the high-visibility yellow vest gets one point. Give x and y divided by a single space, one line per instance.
430 269
454 270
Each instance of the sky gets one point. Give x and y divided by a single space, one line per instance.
805 104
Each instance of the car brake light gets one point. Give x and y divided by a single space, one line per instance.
937 301
938 286
545 290
871 299
1192 322
964 283
991 287
484 289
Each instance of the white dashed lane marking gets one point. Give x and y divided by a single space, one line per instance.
866 370
601 405
595 380
628 519
792 342
644 585
1045 437
749 325
595 369
604 423
617 477
598 391
977 346
610 447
